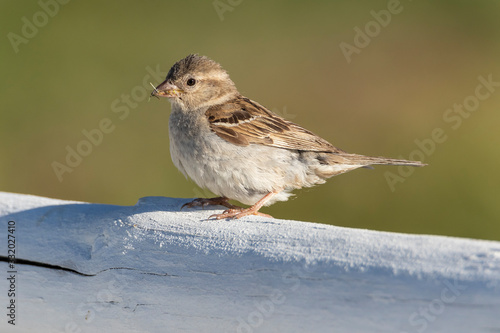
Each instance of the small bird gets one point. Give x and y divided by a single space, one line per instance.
238 149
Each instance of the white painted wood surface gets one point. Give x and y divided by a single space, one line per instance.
152 268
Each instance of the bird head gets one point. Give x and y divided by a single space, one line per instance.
196 82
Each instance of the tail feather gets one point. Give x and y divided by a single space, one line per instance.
369 160
332 164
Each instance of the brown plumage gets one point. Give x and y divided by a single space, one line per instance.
240 150
242 121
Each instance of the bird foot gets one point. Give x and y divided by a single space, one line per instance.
238 213
203 202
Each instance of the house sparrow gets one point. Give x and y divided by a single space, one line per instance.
240 150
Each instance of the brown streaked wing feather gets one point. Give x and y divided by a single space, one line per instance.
232 136
242 121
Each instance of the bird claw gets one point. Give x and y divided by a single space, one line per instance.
238 213
234 212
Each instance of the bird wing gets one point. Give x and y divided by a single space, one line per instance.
242 121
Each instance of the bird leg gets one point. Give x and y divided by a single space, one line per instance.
236 213
202 202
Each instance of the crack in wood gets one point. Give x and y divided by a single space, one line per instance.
20 261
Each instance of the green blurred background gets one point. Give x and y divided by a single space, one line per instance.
284 54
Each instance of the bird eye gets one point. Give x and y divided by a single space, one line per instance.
191 82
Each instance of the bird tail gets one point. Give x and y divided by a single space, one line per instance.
369 160
337 163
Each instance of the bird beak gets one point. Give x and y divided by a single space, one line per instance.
166 89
